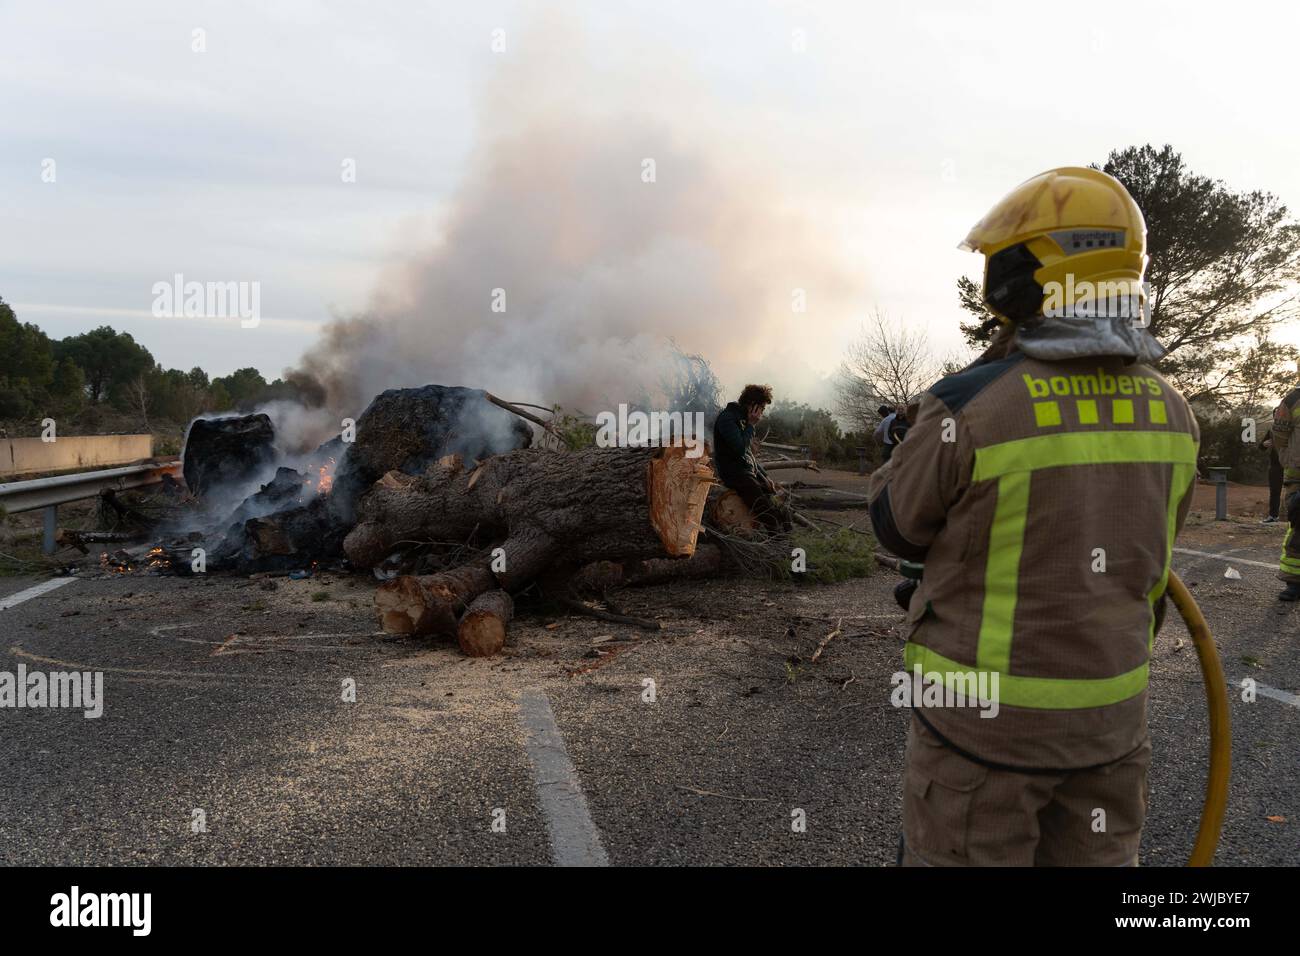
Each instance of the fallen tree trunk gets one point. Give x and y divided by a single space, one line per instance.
545 508
592 504
482 630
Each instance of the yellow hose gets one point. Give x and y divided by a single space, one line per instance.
1216 693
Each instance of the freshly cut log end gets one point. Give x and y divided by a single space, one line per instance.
730 515
679 488
404 608
430 604
482 631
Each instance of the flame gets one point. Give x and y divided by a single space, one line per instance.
120 562
326 480
114 564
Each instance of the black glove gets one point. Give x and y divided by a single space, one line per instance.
903 592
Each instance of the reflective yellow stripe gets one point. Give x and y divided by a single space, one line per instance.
1083 448
1041 693
1012 464
1290 564
1180 481
1002 574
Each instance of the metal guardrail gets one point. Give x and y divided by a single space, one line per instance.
49 493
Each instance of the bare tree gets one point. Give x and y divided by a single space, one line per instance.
138 389
888 364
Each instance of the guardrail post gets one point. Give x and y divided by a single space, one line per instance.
51 526
1219 475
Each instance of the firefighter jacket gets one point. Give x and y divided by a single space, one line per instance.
1285 418
1043 498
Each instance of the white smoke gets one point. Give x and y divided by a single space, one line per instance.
598 269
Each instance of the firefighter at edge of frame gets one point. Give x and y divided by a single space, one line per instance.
733 455
1287 449
1042 487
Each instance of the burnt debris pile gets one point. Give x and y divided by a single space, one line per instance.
262 509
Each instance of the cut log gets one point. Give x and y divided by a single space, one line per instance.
482 630
808 463
592 504
728 513
680 487
430 604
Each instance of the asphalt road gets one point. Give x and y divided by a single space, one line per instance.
227 698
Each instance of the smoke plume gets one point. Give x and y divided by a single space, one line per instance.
598 269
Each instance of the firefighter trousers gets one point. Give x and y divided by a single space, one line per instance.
960 813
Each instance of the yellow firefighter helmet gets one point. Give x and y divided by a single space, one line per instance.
1064 230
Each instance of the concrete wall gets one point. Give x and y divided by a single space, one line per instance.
28 456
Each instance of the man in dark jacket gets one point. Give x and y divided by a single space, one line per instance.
733 457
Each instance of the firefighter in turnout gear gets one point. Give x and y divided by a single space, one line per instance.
1042 487
1287 447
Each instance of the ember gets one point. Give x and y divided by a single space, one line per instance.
325 478
156 560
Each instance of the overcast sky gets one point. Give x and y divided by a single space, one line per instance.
888 134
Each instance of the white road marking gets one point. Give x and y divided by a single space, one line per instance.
575 841
36 590
1285 697
1226 558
